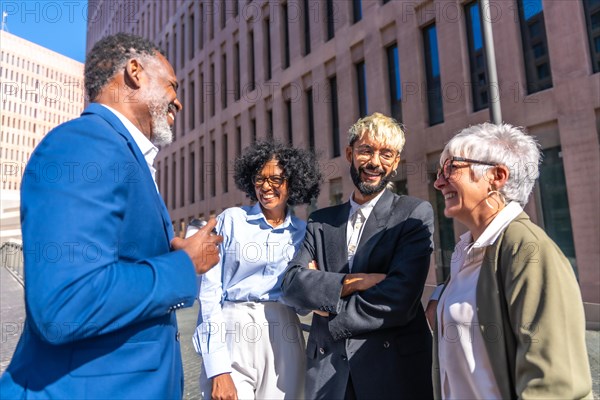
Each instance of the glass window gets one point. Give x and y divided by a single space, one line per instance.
394 82
535 45
479 85
361 84
432 71
555 203
356 10
335 119
591 9
310 118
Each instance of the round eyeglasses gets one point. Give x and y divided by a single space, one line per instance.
448 168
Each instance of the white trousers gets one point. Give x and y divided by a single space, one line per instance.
267 351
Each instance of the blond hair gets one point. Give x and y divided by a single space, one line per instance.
379 127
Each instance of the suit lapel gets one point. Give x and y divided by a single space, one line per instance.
374 227
336 251
118 126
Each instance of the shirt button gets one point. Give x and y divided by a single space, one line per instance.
321 350
344 358
178 336
386 344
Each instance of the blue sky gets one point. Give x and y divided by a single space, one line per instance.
59 25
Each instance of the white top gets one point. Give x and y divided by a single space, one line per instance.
365 209
149 150
465 369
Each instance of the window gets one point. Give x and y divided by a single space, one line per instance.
479 81
224 80
213 168
310 118
211 19
336 192
192 175
267 32
330 19
192 104
335 119
270 125
174 181
236 72
591 9
238 141
394 82
432 72
306 22
174 47
225 169
191 36
356 10
361 84
253 130
182 181
286 35
555 203
289 121
201 26
183 111
535 45
201 97
251 67
212 91
182 35
202 171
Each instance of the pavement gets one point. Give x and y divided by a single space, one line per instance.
12 316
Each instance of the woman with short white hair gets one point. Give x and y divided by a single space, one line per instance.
510 321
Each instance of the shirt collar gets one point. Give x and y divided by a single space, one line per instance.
495 228
256 213
368 206
149 150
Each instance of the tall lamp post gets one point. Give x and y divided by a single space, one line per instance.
490 58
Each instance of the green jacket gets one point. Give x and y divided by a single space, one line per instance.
531 317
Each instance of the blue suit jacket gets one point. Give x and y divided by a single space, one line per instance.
101 282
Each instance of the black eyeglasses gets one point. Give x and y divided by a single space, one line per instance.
274 180
448 168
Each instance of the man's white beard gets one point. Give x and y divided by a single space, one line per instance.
158 108
161 131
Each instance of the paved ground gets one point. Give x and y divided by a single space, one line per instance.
12 313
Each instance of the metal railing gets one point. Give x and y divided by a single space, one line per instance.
11 257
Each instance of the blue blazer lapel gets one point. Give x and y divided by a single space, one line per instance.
115 122
373 231
336 251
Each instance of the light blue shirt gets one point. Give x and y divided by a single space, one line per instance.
254 256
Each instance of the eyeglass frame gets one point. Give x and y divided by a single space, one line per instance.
368 152
441 170
259 180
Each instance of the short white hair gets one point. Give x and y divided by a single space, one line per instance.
500 144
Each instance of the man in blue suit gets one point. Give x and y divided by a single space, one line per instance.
103 272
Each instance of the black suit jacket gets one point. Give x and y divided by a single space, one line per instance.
379 337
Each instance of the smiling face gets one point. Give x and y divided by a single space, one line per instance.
464 193
371 166
272 189
159 95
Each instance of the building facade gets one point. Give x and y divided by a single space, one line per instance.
39 90
302 71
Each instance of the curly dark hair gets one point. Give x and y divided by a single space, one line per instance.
300 168
108 55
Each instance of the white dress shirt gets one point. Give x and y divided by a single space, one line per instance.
465 369
365 209
149 150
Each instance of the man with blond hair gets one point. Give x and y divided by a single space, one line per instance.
362 268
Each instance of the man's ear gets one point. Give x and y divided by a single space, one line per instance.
133 71
349 154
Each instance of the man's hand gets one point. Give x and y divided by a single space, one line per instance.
430 312
314 266
202 247
223 388
360 282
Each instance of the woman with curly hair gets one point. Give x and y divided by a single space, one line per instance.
251 343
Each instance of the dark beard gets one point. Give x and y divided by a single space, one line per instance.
364 188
